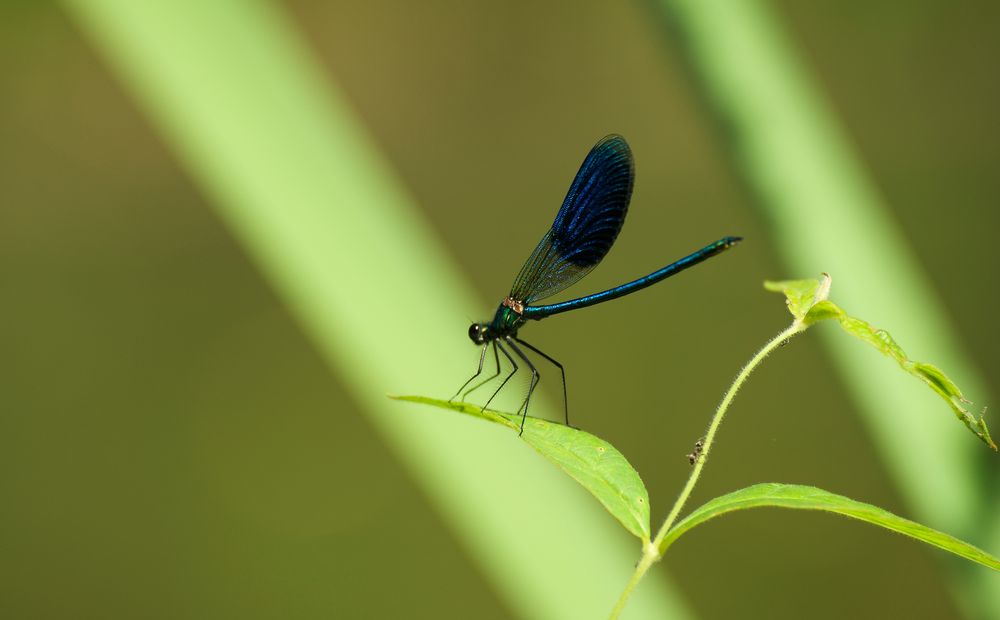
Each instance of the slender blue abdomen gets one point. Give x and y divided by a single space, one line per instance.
540 312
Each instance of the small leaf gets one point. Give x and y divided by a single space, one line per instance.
811 498
589 460
467 408
928 373
822 311
944 386
800 295
806 300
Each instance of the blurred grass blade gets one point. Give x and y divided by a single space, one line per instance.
591 461
232 90
802 497
827 216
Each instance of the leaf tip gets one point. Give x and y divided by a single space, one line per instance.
823 290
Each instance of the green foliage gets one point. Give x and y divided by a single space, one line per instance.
810 498
808 303
591 461
608 476
801 295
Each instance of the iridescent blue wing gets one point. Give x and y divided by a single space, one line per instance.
585 227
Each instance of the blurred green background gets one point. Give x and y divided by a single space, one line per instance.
172 444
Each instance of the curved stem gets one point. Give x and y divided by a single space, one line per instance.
720 412
653 551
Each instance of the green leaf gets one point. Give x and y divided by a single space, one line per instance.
811 498
800 295
504 419
808 303
822 311
589 460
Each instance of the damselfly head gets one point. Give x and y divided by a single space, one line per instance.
479 333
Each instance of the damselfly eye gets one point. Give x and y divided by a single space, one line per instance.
476 333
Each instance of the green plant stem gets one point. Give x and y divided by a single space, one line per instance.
652 552
713 427
649 556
